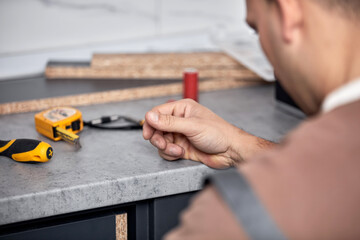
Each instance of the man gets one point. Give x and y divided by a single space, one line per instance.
309 185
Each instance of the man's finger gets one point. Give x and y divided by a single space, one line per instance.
168 123
158 140
173 150
148 131
167 157
176 108
169 137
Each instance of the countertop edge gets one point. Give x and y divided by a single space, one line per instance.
102 194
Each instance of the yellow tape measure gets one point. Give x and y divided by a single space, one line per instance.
60 123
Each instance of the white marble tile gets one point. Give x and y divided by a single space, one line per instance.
192 15
31 25
15 66
35 31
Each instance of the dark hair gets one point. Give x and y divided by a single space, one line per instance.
350 8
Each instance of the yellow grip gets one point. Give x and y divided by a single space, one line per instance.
26 150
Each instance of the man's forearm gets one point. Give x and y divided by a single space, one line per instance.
244 146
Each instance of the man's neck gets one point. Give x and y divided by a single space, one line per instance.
331 53
354 65
344 52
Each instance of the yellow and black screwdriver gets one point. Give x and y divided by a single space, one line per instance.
26 150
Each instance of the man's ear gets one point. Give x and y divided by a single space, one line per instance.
291 15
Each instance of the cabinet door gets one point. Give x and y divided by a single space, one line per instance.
105 228
165 213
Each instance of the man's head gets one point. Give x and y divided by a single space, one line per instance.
312 44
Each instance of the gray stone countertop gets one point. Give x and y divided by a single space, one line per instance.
115 167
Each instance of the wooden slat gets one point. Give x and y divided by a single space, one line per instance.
73 72
201 59
121 95
121 226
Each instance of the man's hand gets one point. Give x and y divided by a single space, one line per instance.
186 129
209 218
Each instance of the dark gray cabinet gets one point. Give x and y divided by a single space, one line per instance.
149 219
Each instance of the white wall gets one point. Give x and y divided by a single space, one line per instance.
33 27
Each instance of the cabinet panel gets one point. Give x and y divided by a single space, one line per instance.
96 228
149 219
165 213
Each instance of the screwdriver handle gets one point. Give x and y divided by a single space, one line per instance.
26 150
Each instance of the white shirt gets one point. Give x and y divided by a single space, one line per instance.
346 94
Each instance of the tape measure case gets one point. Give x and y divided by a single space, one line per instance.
66 118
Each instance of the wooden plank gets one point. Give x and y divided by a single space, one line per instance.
75 72
121 226
200 59
122 95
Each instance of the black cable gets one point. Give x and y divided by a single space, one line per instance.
100 123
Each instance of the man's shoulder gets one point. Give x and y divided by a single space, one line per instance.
340 126
314 169
333 135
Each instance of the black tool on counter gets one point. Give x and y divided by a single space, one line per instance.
128 123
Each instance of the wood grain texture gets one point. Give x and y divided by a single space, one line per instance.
122 95
151 66
200 59
74 72
121 226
